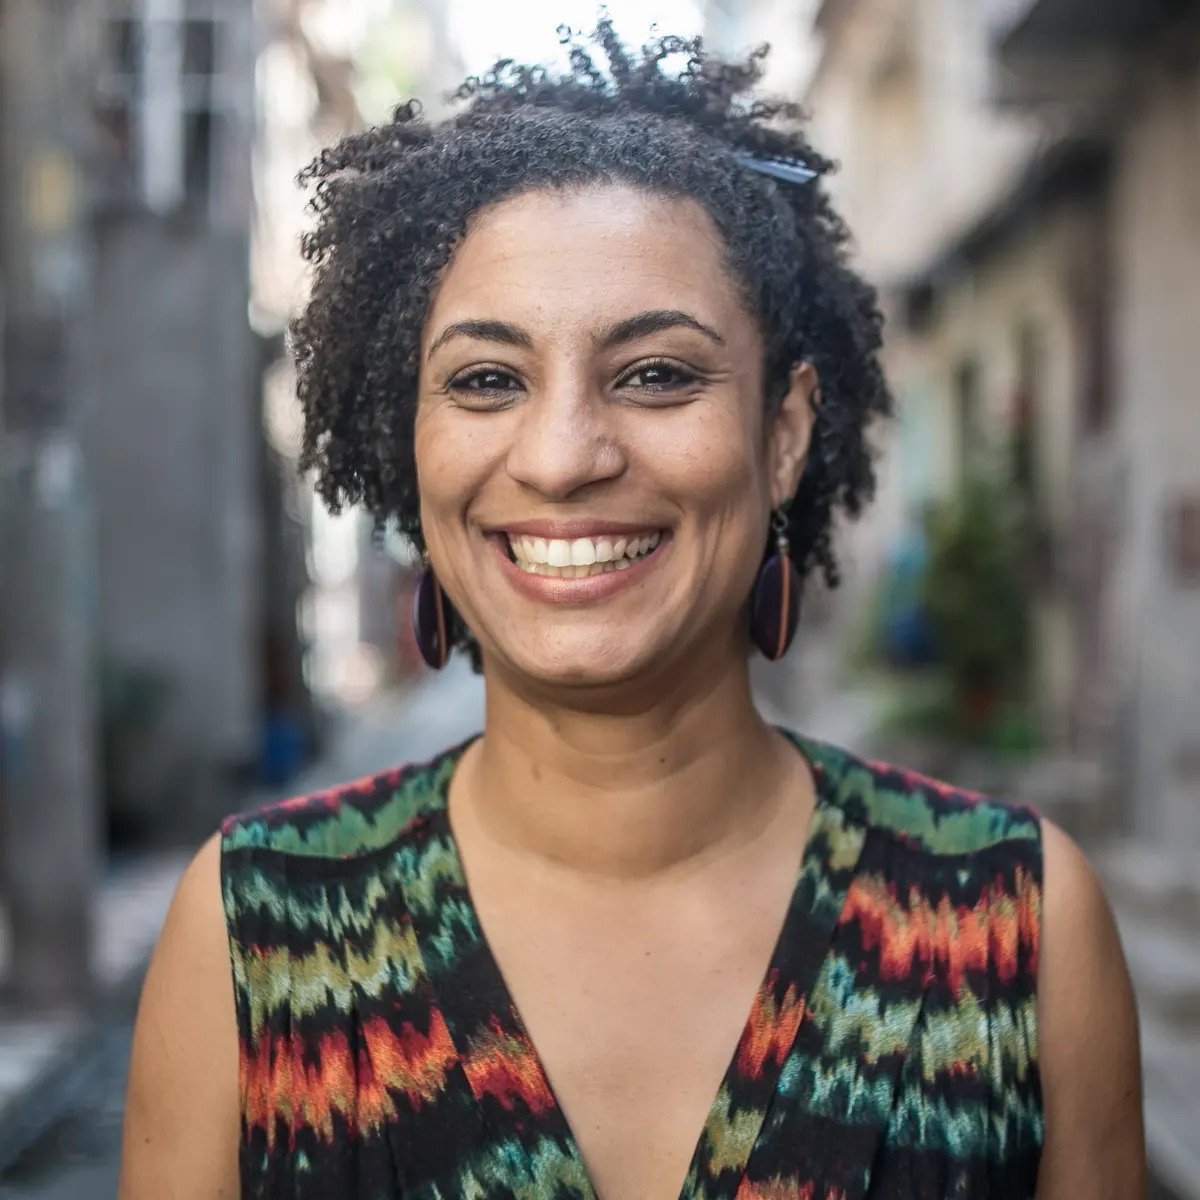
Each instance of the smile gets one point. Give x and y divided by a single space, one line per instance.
578 558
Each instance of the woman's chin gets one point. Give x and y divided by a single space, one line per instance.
581 666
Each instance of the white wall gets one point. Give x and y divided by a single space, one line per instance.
901 102
1157 244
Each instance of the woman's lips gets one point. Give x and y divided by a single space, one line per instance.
573 527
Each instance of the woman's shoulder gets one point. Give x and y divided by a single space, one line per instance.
348 822
920 813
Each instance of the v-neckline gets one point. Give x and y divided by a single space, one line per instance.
752 1075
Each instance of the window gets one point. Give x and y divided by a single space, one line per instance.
1097 399
969 410
199 49
1026 415
124 46
160 106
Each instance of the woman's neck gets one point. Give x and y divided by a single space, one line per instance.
634 790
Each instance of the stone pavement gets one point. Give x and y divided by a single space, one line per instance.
44 1056
1155 894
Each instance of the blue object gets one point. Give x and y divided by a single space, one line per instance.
778 168
906 633
282 748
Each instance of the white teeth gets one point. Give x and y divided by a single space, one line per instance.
583 552
579 557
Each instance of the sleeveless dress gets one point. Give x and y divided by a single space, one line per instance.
891 1050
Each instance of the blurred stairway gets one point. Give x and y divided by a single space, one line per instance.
1155 894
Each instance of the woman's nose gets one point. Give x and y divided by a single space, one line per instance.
564 441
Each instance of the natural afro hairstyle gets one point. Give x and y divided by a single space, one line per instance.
392 203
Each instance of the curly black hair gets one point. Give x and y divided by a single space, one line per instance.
391 204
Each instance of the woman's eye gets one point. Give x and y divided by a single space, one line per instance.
658 377
487 379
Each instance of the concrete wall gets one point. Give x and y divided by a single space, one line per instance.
1157 261
894 100
899 99
732 27
173 447
1110 282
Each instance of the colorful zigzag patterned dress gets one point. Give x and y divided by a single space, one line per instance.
891 1051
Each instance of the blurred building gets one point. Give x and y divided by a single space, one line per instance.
734 27
1122 87
174 432
1022 178
191 566
49 819
1022 181
155 541
328 68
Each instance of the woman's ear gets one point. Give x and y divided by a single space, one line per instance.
791 432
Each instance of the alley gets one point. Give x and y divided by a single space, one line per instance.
182 616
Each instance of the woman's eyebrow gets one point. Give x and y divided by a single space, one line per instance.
642 325
655 320
486 331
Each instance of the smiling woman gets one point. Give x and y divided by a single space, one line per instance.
626 412
594 345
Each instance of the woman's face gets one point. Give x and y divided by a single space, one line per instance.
596 464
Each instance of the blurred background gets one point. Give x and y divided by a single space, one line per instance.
185 633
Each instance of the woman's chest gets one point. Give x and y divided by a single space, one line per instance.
636 1018
635 1072
446 1050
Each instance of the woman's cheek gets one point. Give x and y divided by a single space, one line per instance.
710 462
448 459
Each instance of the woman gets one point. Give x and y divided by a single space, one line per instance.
594 344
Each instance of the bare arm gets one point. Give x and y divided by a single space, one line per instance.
182 1111
1091 1069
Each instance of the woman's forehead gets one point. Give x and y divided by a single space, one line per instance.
588 256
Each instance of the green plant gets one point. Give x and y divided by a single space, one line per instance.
1016 734
862 650
975 600
917 706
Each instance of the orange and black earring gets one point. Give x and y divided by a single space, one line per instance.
431 620
775 601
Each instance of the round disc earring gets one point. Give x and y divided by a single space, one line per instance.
775 601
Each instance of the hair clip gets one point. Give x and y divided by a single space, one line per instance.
778 168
